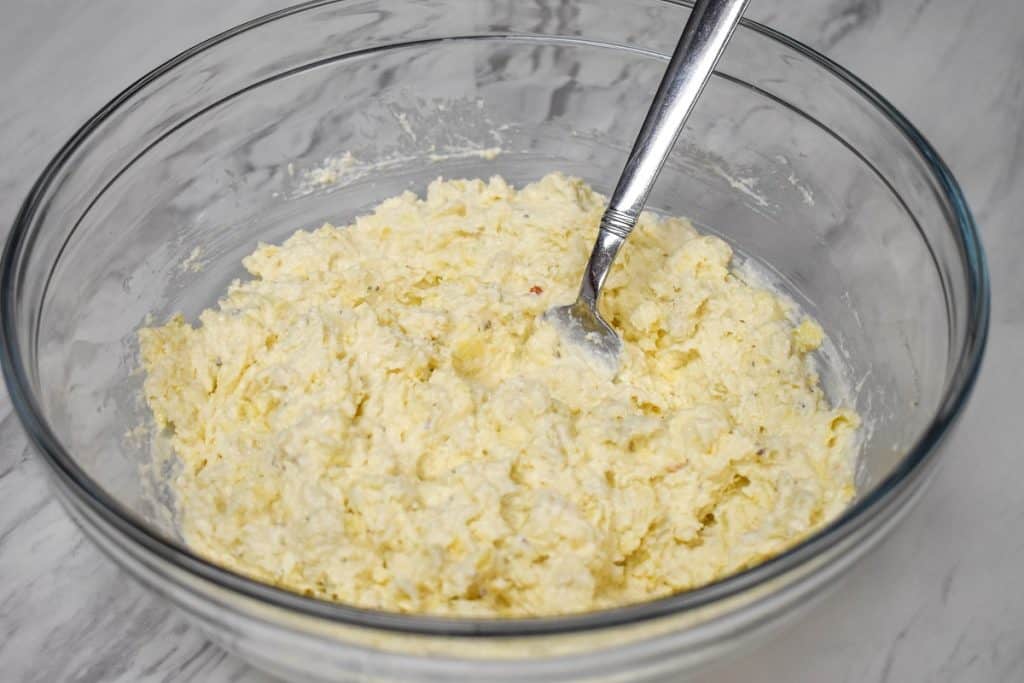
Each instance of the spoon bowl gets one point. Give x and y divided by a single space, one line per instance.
583 325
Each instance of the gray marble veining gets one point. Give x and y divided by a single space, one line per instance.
939 601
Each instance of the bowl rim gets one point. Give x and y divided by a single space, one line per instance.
905 475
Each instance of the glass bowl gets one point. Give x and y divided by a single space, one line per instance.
319 111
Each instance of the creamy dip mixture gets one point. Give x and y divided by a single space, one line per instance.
380 415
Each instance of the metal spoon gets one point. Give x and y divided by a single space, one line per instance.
707 31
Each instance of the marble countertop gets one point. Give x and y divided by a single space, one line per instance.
939 601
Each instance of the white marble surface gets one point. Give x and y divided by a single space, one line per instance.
941 600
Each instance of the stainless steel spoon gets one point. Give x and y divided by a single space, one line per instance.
707 31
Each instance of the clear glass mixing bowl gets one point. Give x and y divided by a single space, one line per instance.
787 156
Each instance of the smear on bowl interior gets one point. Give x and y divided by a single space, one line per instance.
381 417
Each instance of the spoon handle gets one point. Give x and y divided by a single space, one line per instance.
707 31
704 38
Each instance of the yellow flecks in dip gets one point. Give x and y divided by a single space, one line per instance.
381 416
808 336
